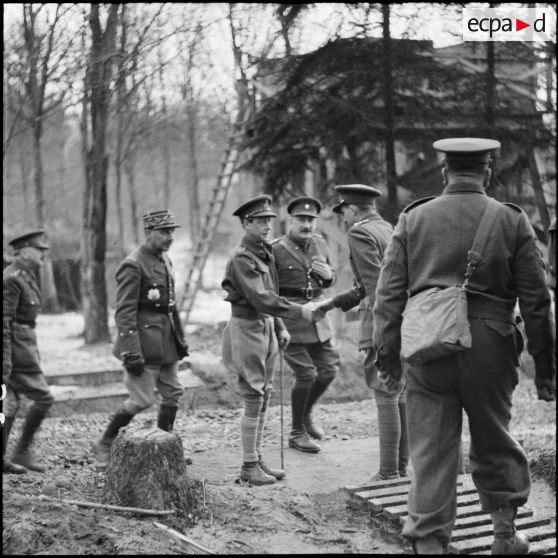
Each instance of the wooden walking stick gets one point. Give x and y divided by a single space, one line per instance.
281 394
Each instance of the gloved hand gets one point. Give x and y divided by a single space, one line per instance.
134 364
546 390
391 383
284 338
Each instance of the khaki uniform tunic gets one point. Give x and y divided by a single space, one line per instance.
310 353
249 344
429 249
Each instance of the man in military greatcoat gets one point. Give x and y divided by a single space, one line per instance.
21 370
368 236
255 330
304 272
150 338
429 249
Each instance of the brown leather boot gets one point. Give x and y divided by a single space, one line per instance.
102 447
22 454
506 539
314 431
428 545
253 474
7 465
277 473
300 441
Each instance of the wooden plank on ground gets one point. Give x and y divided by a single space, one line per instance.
480 544
487 528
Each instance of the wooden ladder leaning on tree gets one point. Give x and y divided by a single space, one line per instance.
212 216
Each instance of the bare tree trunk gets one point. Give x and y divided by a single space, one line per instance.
94 292
120 90
391 178
165 146
194 174
129 169
490 85
24 173
38 174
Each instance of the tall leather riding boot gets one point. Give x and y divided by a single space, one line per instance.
299 398
506 540
316 391
165 419
22 454
299 438
7 465
102 448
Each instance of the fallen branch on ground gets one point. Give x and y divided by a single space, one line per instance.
108 506
183 538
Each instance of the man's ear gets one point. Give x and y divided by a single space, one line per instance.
487 177
444 176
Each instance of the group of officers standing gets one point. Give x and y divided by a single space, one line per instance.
278 307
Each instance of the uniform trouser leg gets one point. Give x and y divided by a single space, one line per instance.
499 466
326 361
434 420
250 349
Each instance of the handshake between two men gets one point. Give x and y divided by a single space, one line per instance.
315 311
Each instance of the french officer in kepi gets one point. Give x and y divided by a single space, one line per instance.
429 249
150 338
21 370
255 329
304 272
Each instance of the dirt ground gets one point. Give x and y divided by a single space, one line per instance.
304 514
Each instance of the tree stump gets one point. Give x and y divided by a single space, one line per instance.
147 469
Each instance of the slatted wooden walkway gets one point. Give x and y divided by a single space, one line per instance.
472 533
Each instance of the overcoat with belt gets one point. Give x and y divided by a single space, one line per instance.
368 239
146 316
21 306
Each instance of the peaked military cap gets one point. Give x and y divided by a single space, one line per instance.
305 205
260 206
467 149
156 220
35 238
355 193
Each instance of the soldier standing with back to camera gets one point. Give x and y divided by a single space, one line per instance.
368 235
429 249
304 272
21 369
255 330
150 338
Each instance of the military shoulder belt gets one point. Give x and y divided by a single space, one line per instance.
416 203
513 206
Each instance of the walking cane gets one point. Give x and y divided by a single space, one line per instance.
281 394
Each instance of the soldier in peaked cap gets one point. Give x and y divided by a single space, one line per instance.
368 236
304 272
150 338
255 330
21 371
429 249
